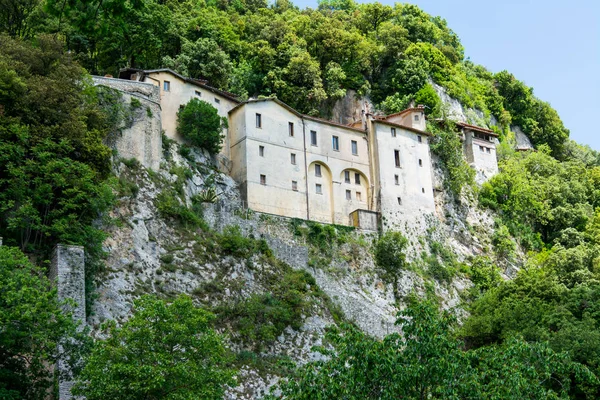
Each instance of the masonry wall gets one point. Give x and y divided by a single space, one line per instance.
481 154
333 205
67 270
276 195
414 119
410 195
140 137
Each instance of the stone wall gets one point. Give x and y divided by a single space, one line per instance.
140 137
67 270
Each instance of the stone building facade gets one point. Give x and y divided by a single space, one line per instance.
299 166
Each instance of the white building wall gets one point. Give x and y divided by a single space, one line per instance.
277 195
414 187
332 205
481 154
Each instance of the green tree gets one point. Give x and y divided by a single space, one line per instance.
203 59
390 252
164 351
200 123
31 325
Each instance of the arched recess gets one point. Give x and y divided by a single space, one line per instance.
321 205
353 193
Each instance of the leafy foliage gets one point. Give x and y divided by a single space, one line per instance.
32 326
390 252
427 362
200 123
164 351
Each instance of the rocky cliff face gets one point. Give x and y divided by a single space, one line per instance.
151 251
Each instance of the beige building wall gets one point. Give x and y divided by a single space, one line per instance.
411 117
179 93
405 192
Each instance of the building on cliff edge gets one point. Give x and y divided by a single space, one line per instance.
376 173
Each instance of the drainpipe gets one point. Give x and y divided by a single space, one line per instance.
305 168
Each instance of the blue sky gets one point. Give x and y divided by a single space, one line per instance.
551 45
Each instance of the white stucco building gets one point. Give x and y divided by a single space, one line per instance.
375 173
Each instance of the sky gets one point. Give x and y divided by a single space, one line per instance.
552 46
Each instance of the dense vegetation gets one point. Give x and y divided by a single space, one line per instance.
164 351
536 336
200 123
427 362
308 58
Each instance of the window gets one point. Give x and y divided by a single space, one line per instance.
397 158
181 106
358 196
293 158
317 170
357 178
199 94
420 162
258 120
318 188
419 139
263 179
348 195
313 138
393 132
416 117
295 186
217 101
481 148
422 190
166 86
261 151
487 149
396 179
399 201
354 148
347 176
335 143
291 128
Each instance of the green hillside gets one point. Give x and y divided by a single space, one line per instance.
536 336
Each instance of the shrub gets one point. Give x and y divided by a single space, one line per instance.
389 252
200 123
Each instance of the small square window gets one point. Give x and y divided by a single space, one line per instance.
166 86
354 148
420 162
199 94
293 158
261 151
357 178
263 179
258 120
291 128
358 196
313 138
397 158
318 188
317 170
217 101
348 195
419 139
481 148
347 176
295 186
422 190
393 132
399 201
416 117
487 149
335 143
396 179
